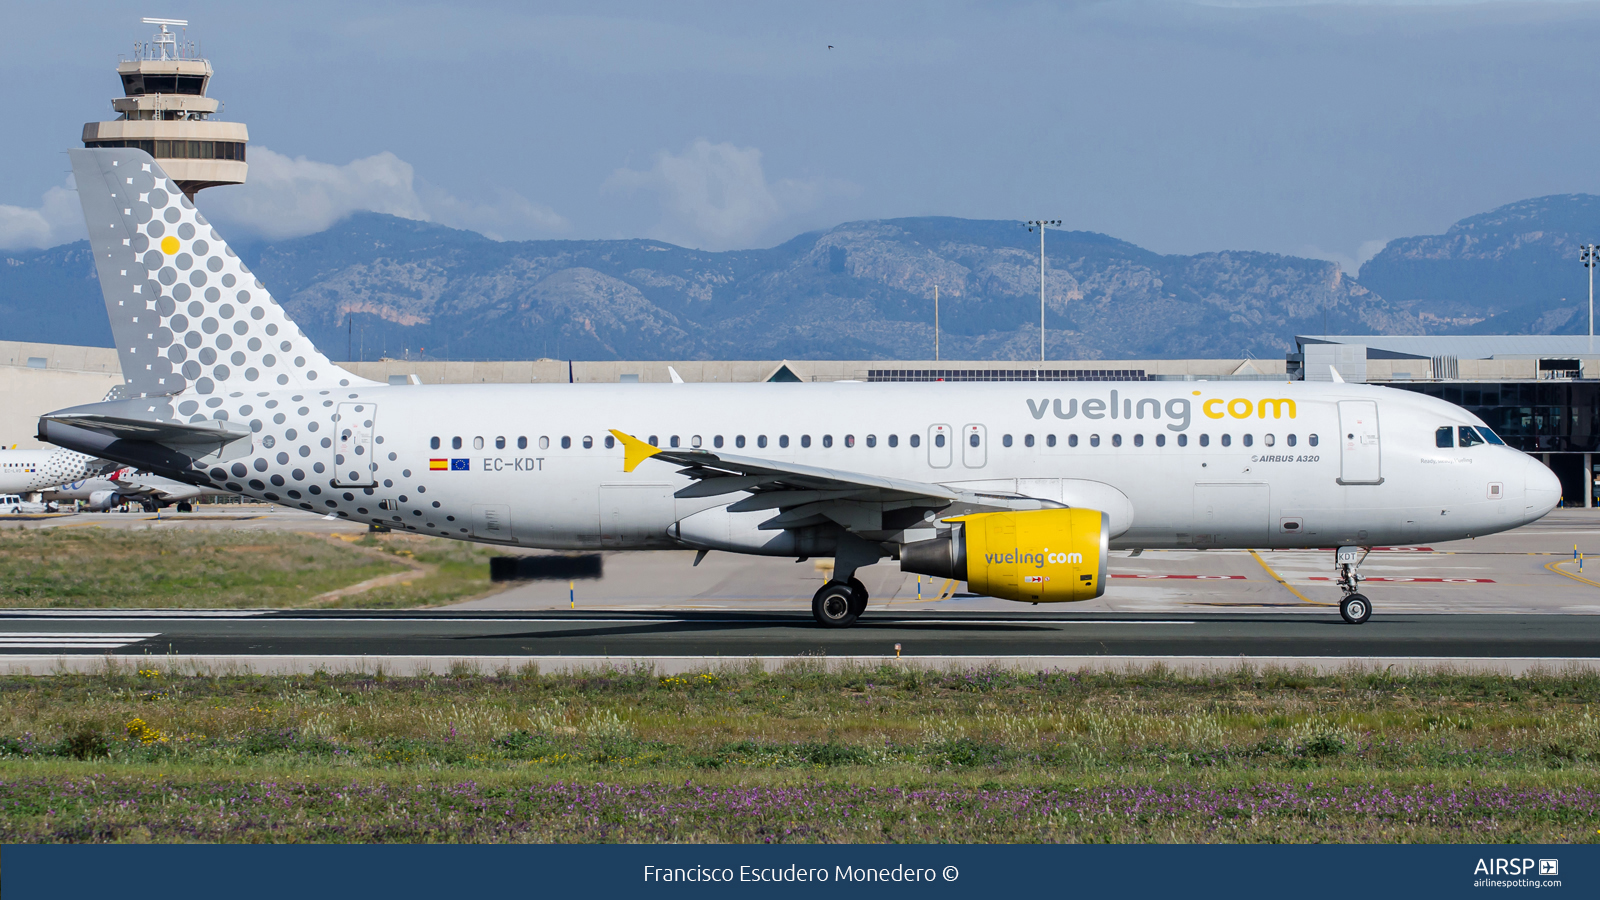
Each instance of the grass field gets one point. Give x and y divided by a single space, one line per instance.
891 754
116 567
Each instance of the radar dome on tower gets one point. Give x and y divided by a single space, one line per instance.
165 112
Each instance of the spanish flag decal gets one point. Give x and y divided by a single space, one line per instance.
438 465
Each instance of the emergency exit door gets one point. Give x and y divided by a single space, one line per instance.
1360 460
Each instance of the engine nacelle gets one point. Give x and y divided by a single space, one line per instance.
100 501
1035 556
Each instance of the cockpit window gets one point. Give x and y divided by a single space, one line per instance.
1469 436
1445 437
1490 436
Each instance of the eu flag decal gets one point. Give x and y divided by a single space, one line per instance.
460 465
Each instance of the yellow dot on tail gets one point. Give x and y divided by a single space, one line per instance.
169 245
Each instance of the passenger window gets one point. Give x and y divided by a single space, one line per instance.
544 443
1311 439
500 443
1268 439
455 443
915 440
783 440
588 442
1161 440
717 442
522 443
1116 440
1138 440
1005 441
1072 440
1027 440
433 443
872 440
1049 440
1290 439
1227 440
1205 440
1183 440
738 441
1249 440
827 440
610 442
1094 440
805 440
654 441
477 443
894 440
1469 437
761 440
673 441
1444 437
938 440
566 443
849 440
695 442
973 439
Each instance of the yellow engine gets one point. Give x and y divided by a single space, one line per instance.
1036 555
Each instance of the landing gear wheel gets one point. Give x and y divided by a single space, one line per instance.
834 605
1356 609
859 604
183 506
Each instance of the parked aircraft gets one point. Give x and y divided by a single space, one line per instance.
31 471
1018 488
129 486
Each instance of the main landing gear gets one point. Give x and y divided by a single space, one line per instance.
838 604
1355 607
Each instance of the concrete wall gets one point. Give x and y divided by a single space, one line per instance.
71 376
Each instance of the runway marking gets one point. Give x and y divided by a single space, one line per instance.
1405 579
1556 568
70 640
1200 577
1279 579
114 614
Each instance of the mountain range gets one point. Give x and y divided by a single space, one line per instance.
379 285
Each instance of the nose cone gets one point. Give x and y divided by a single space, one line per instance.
1542 490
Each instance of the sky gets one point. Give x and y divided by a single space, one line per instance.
1309 129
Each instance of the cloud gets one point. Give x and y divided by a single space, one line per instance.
56 220
285 197
716 196
1349 263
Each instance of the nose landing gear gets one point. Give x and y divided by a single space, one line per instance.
1355 607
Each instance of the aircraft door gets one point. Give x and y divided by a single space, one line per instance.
353 465
1232 515
974 446
1359 458
491 522
635 514
939 450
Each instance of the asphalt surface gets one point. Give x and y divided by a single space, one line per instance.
630 634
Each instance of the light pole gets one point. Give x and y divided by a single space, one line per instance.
1040 224
1588 254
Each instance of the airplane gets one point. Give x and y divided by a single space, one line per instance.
31 471
128 485
1020 489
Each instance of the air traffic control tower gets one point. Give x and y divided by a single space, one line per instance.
165 112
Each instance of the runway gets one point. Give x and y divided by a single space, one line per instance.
940 637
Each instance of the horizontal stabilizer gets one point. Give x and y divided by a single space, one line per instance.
209 432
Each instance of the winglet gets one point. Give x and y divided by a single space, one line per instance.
1337 378
676 378
634 451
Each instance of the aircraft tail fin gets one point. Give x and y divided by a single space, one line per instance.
187 315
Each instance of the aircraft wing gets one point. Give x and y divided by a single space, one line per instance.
873 505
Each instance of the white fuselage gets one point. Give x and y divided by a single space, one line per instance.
30 471
528 464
